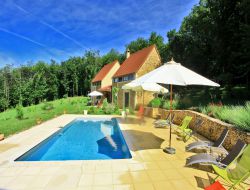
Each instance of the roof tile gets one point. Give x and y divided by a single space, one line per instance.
104 71
134 62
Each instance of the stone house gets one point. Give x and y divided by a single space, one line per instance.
102 81
135 65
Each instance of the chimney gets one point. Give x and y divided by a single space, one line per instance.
127 53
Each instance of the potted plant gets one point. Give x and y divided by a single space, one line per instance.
85 111
38 121
1 137
124 112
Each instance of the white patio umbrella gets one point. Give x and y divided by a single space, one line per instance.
152 87
173 73
95 93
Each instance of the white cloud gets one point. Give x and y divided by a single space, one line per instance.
6 60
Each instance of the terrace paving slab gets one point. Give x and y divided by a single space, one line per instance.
148 169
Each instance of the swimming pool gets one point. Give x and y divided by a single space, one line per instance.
82 139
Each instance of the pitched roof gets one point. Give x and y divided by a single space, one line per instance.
104 71
134 62
105 89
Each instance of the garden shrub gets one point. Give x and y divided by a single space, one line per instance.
117 110
203 109
91 110
98 111
104 104
95 110
72 102
47 106
84 101
61 101
175 104
155 103
110 108
131 111
19 112
239 116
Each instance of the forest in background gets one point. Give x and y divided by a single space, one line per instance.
213 40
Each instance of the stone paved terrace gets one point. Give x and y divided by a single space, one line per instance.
149 169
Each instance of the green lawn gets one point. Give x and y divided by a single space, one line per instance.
9 124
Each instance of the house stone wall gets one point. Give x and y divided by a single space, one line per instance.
153 61
120 100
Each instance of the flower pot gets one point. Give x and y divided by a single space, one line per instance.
38 121
1 137
85 112
123 113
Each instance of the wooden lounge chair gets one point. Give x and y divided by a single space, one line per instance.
239 173
209 159
207 144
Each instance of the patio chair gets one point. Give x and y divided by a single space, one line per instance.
188 133
183 128
207 144
239 173
164 122
140 112
209 159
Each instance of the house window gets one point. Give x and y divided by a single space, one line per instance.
118 79
124 78
131 77
128 77
97 83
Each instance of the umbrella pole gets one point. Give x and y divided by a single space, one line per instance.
171 104
169 149
143 98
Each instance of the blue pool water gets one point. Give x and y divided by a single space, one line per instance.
82 139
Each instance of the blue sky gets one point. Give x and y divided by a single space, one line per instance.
32 30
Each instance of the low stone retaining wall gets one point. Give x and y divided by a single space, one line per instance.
211 127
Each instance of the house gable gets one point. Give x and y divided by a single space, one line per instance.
107 80
134 62
152 62
104 71
104 77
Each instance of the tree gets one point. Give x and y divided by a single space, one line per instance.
137 45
